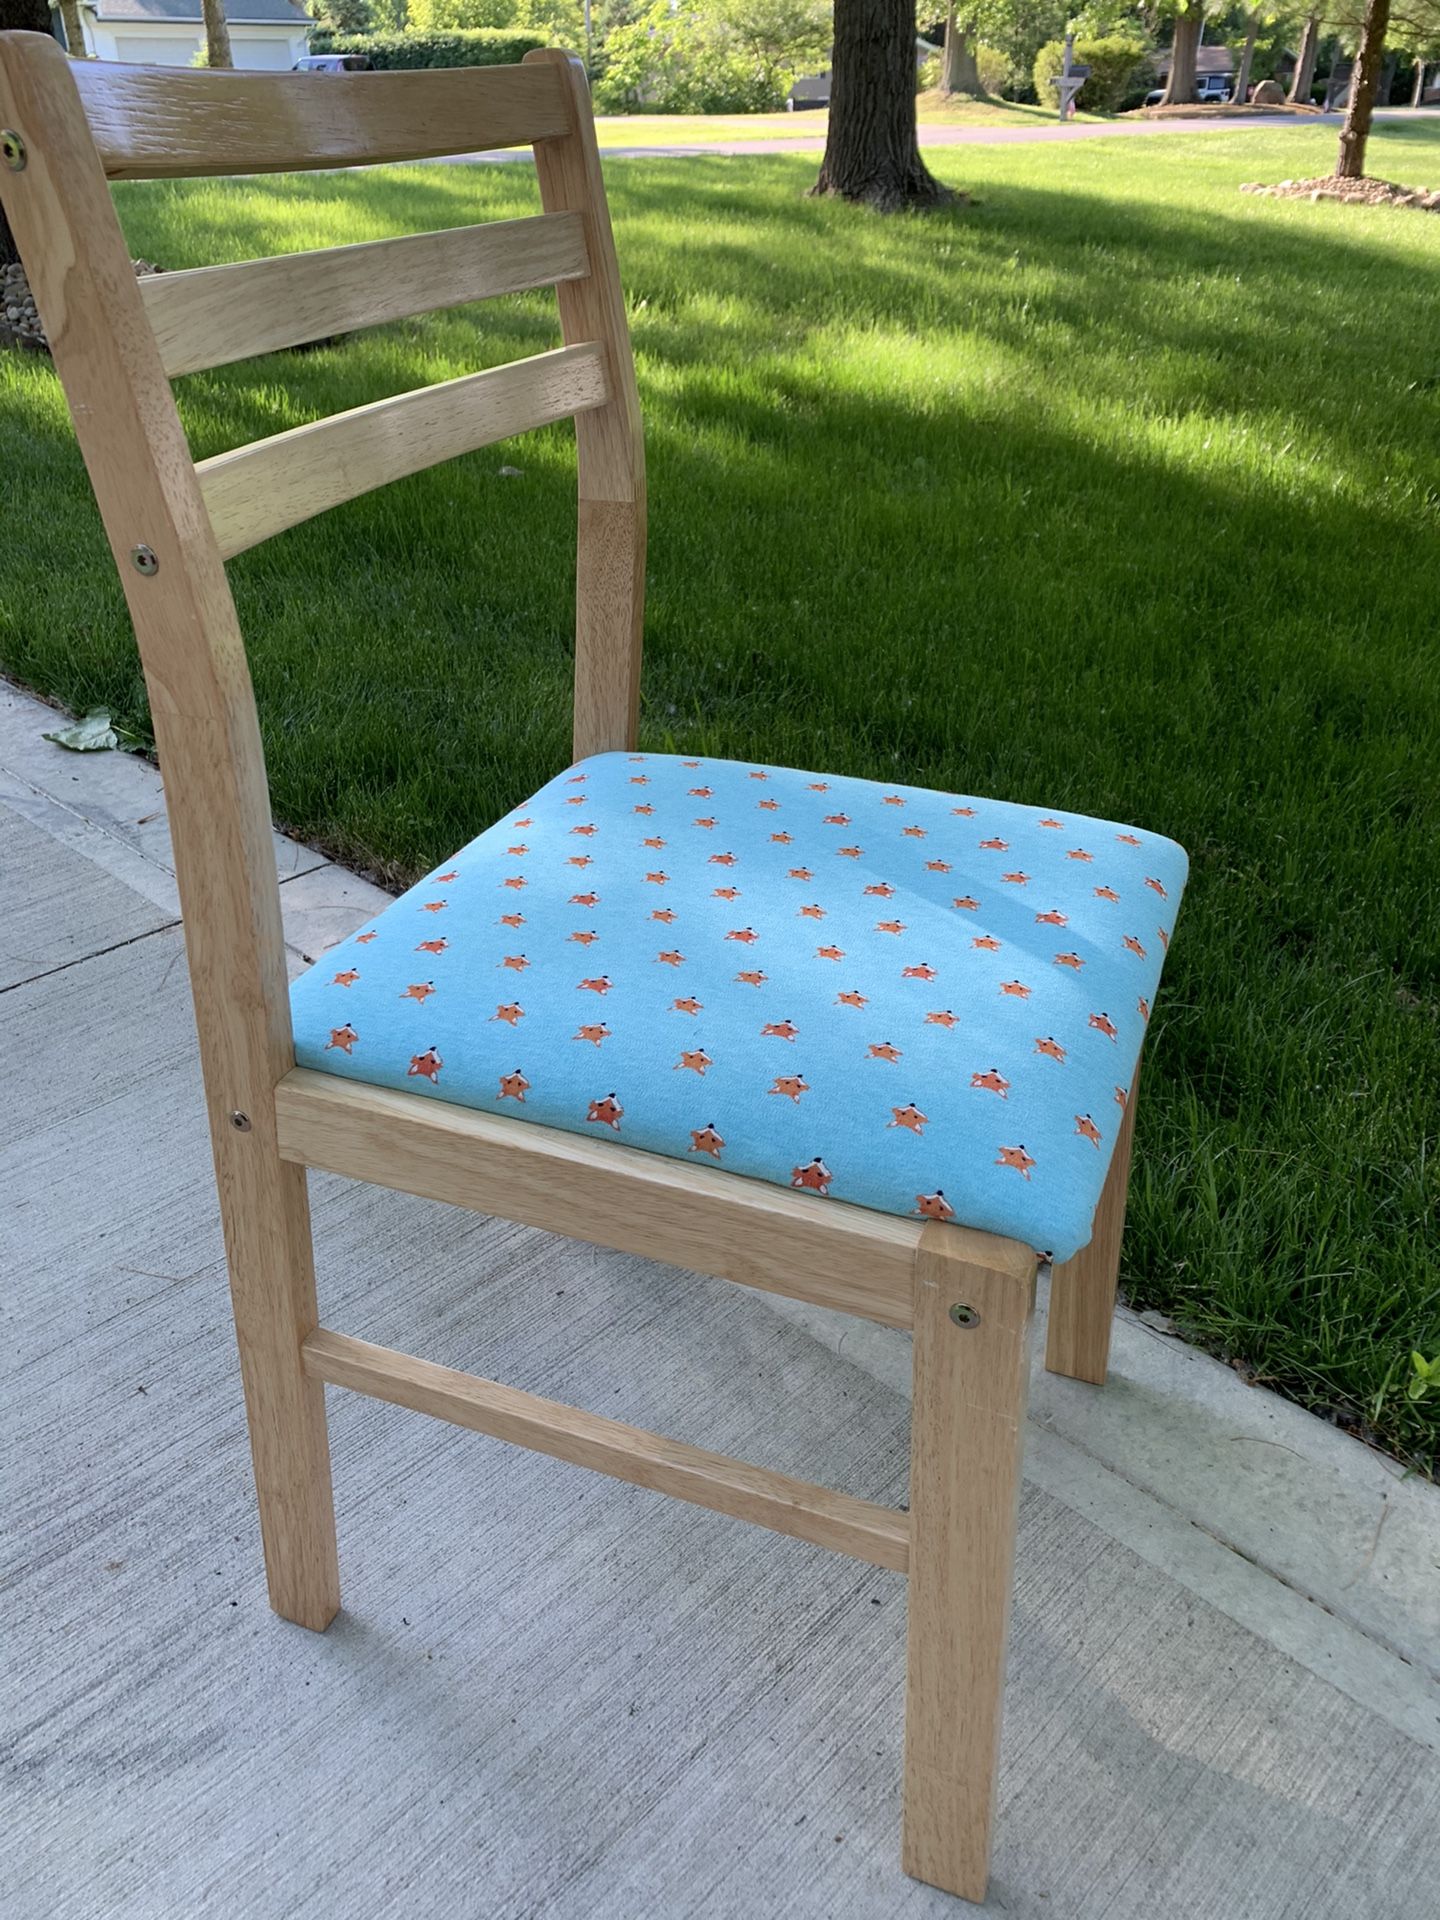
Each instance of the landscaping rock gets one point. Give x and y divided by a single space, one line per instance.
21 325
1268 94
1363 193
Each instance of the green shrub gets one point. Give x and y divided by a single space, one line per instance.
993 68
1113 63
732 56
482 47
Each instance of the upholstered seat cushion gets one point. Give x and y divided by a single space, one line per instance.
917 1002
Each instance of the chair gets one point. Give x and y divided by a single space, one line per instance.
761 1153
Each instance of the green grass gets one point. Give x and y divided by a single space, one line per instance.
706 129
1116 491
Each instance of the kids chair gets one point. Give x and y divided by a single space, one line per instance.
873 1048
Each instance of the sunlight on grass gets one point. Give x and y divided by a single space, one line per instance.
1115 492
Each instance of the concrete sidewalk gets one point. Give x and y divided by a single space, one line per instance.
552 1695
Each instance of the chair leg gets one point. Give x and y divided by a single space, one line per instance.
971 1372
1082 1290
265 1211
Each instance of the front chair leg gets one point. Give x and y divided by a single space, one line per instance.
1082 1290
265 1211
973 1313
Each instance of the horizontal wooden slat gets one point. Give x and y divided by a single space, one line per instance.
260 489
796 1244
209 316
155 123
795 1507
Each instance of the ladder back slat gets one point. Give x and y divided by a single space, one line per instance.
210 316
158 123
259 490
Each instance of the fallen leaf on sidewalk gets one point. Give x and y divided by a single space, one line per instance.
96 733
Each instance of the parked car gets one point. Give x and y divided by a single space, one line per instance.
1211 89
333 63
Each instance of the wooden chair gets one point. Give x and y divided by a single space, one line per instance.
967 1296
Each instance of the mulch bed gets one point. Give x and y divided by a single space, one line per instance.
1364 193
19 321
1197 111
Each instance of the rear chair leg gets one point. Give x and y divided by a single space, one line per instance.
265 1211
1082 1290
971 1373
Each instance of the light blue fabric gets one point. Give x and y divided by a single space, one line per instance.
913 1001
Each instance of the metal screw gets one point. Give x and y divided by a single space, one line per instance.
240 1122
964 1316
12 147
143 560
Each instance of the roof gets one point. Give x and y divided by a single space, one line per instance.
1207 60
187 12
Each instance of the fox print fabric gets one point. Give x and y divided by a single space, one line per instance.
916 1002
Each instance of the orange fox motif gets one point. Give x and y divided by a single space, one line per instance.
343 1038
851 853
654 842
726 893
892 800
1079 853
880 890
987 942
968 903
511 920
915 833
510 1012
584 899
995 846
595 1035
751 978
585 937
1087 1129
516 881
1051 823
517 852
1016 879
923 972
1071 960
708 821
811 913
910 1119
665 915
643 810
1156 887
781 839
1163 938
1102 1023
1052 919
516 962
992 1081
1121 1097
364 939
1015 989
670 958
1133 946
815 1177
513 1086
347 978
963 813
723 860
837 819
688 1005
934 1206
801 873
605 1113
1144 1005
706 1140
884 1051
1130 839
702 793
830 953
770 806
602 985
696 1061
791 1086
425 1066
434 906
945 1019
1052 1049
1017 1158
780 1030
746 935
660 879
851 999
444 879
937 866
1106 893
890 926
421 991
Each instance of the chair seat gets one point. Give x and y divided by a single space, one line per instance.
916 1002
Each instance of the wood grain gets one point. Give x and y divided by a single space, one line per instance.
210 316
775 1500
203 709
259 490
699 1217
610 555
1083 1289
966 1437
157 123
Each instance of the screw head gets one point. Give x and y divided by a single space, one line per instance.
12 150
240 1122
964 1316
144 560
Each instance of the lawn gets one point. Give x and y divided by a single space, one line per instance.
708 129
1114 491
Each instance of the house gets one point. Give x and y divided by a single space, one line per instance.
169 33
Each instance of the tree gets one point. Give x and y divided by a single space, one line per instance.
217 34
872 149
958 71
1304 77
74 23
345 16
1355 133
1180 87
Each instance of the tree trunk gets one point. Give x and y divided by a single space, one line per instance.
1356 131
217 34
872 153
1180 88
1247 60
74 29
1417 92
958 71
1337 88
1303 79
23 16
